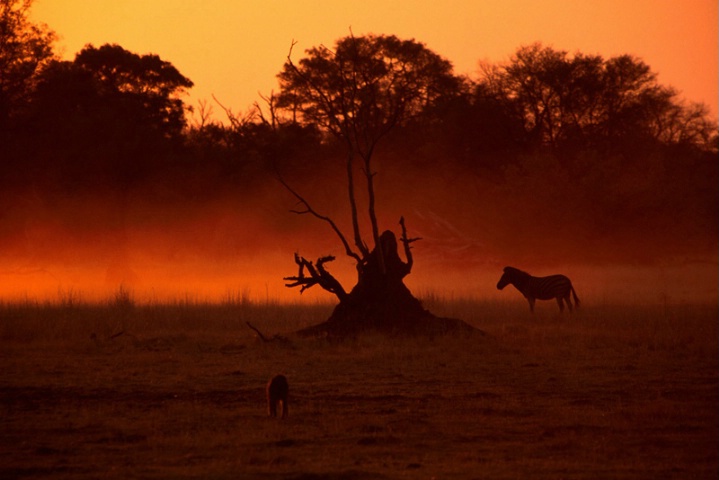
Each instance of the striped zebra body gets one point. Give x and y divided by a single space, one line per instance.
540 288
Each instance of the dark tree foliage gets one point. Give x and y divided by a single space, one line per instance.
25 48
105 118
585 101
474 129
365 87
245 155
147 86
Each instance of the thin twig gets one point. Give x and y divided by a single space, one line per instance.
309 210
259 334
406 242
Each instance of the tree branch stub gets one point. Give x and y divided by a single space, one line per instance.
406 242
318 275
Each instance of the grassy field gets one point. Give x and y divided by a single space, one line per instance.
121 390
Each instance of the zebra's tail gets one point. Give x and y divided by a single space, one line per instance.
576 298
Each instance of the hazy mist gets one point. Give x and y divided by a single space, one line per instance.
227 243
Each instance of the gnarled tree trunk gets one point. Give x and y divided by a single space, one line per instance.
380 302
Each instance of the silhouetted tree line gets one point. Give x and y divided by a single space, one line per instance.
550 130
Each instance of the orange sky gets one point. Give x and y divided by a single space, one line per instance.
233 49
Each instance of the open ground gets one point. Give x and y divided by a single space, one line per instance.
120 390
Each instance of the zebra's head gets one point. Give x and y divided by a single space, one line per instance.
509 276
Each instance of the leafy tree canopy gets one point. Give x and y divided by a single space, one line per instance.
24 49
111 115
120 88
587 100
365 86
120 70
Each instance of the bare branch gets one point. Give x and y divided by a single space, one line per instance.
406 242
236 121
271 102
317 276
259 334
275 338
338 128
289 54
309 210
204 112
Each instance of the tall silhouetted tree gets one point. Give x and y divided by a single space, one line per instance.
25 47
101 125
587 100
147 86
358 93
109 114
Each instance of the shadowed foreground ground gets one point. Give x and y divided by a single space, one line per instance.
607 393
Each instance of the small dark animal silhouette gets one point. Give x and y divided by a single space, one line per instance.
277 392
540 288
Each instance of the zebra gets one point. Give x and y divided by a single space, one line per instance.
540 288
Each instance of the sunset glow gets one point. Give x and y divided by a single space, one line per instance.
234 50
230 246
452 238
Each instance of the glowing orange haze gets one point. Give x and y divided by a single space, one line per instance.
229 249
260 279
234 50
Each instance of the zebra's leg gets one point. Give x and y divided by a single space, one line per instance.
531 304
569 302
561 304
